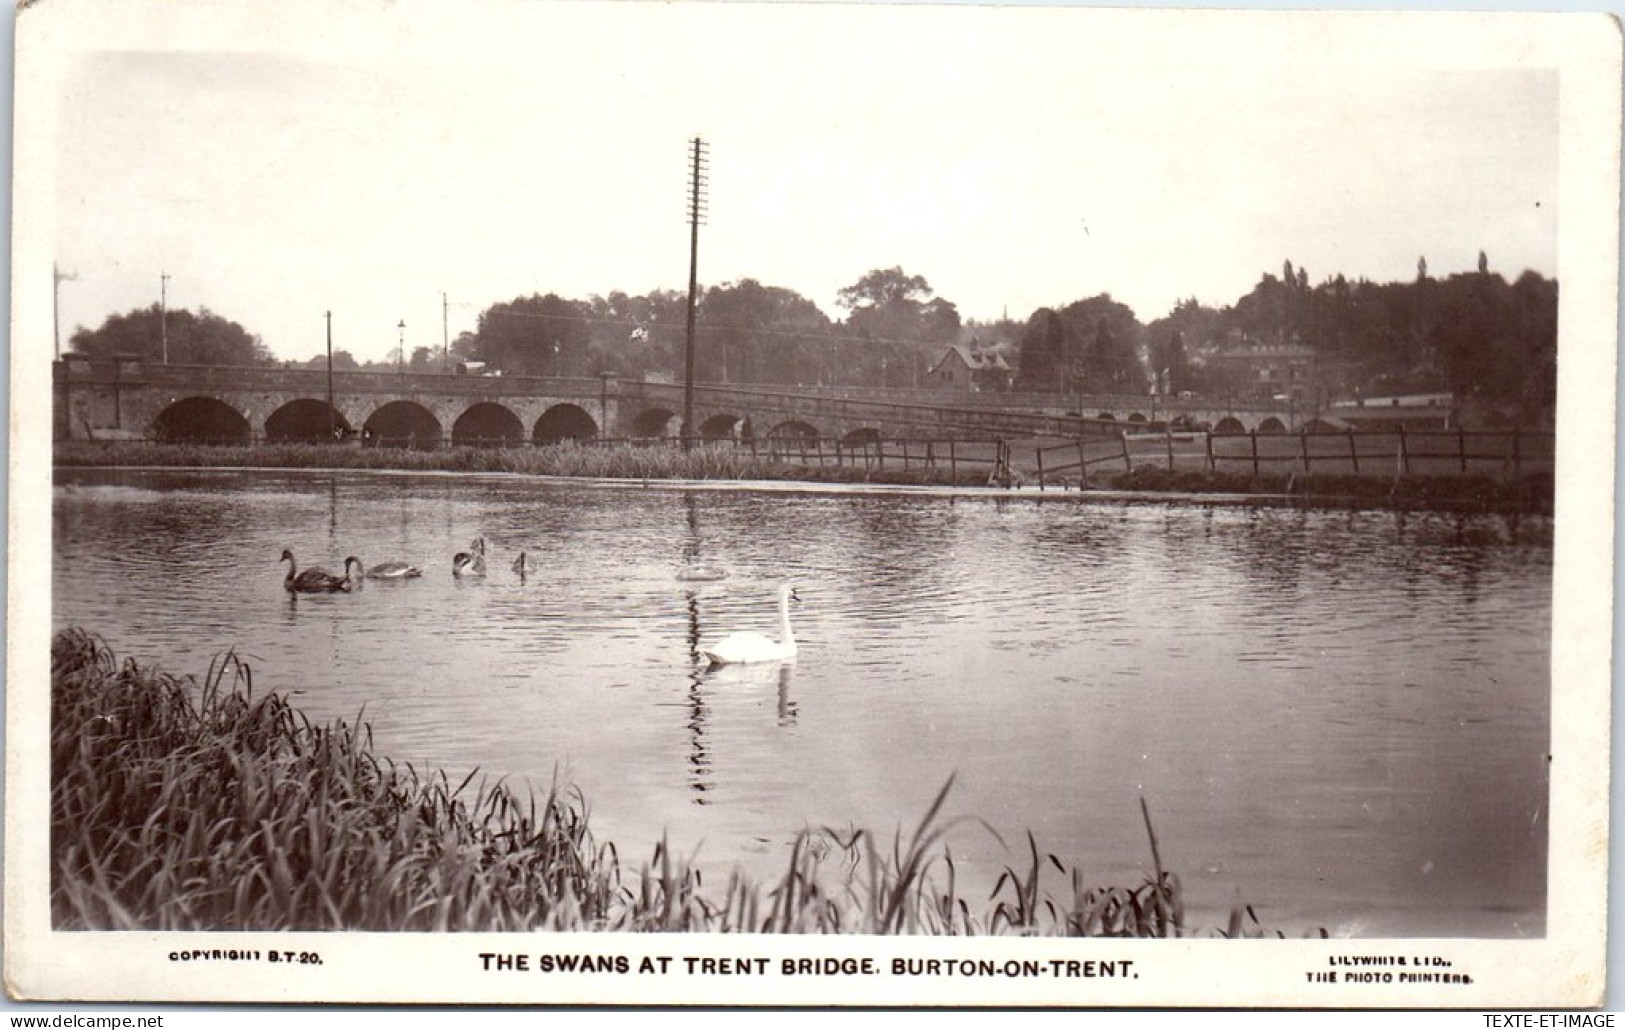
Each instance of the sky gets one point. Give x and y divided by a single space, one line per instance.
416 162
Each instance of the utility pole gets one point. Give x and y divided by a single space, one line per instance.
57 275
332 414
445 332
696 214
163 313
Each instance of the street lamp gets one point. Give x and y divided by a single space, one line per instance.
400 348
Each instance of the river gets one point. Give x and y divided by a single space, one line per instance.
1339 717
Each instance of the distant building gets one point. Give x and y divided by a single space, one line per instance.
1411 410
1268 370
971 368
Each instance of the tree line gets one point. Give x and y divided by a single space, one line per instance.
1489 341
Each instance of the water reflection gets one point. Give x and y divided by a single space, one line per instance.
1290 687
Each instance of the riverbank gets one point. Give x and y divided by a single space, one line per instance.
1529 494
186 804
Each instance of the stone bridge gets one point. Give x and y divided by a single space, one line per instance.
131 399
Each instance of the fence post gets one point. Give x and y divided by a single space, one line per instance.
1039 452
1083 466
1128 462
1169 435
1303 448
1354 452
1253 435
1461 447
953 462
1404 453
1212 463
1516 454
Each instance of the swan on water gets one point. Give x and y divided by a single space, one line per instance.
747 646
472 562
315 580
394 570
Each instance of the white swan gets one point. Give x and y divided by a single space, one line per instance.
394 570
745 647
464 563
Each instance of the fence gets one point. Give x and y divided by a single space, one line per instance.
951 453
1510 453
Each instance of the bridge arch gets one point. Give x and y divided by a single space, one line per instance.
305 419
1136 417
1106 416
722 427
1272 425
564 422
403 424
653 422
201 420
1230 425
793 429
488 424
861 438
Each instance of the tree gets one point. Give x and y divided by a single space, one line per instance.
536 336
201 339
903 327
1043 364
750 333
1102 346
883 288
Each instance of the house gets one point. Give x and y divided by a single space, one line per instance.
1268 370
971 368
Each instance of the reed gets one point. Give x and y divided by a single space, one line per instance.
709 461
186 804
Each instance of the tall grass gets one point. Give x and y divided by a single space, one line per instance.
185 804
708 461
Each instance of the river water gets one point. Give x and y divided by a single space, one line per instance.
1338 717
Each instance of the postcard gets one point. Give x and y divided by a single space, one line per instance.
828 505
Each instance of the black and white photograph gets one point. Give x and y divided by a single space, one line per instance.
772 504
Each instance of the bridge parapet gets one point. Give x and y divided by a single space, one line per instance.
313 381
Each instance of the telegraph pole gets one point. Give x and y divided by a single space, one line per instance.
332 415
696 215
445 332
163 313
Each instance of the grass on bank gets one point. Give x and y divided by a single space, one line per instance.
179 804
714 461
